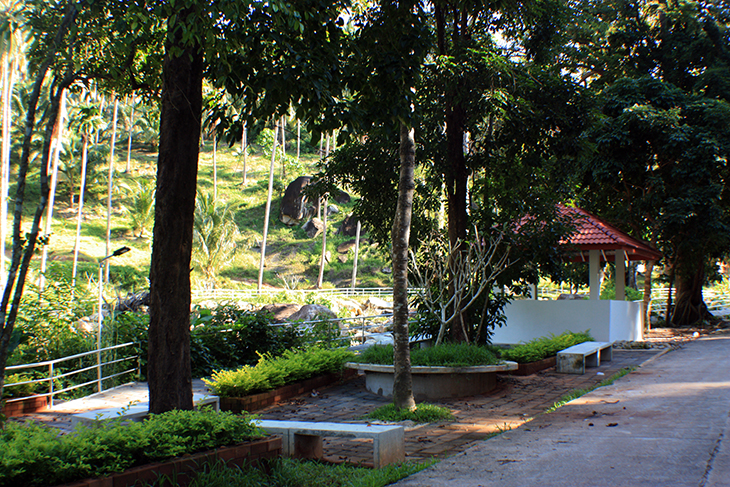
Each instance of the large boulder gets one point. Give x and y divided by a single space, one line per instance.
282 312
312 312
341 197
294 203
349 226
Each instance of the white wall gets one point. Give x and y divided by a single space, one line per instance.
607 321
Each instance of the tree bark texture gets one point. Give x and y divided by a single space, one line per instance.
169 371
689 308
402 381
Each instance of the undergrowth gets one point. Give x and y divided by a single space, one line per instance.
544 347
445 355
424 413
286 472
272 372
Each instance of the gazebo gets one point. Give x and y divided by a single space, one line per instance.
593 241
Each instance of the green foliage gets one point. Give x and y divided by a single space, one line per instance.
609 291
21 390
227 337
214 236
272 372
544 347
444 355
424 413
287 472
141 207
36 455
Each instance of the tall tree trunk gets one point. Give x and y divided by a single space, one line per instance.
648 269
215 167
110 188
402 381
244 149
58 137
299 137
689 308
323 259
267 213
129 137
169 371
79 216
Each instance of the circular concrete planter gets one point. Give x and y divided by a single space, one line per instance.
431 383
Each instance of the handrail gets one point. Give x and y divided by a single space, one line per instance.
99 366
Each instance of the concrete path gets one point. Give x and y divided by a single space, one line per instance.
665 424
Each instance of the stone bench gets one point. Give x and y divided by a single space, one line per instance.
303 439
575 359
134 412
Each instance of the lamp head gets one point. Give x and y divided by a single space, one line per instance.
121 251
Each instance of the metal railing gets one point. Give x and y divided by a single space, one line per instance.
715 300
52 367
241 294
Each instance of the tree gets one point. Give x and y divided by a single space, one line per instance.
655 48
24 248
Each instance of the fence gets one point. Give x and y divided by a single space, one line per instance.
118 366
302 294
716 301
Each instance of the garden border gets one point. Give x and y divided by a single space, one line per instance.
261 400
534 367
25 405
249 453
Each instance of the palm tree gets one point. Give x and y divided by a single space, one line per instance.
110 187
141 210
12 45
214 236
86 122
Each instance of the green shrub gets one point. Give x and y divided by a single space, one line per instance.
22 390
544 347
272 372
445 355
227 337
36 455
424 413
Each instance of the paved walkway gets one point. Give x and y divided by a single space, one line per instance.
666 424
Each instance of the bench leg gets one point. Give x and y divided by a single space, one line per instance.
570 363
308 446
606 354
388 447
593 360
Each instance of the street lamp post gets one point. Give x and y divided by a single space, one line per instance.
120 251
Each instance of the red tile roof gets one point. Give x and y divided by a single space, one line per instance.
592 233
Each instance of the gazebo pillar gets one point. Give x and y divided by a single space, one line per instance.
594 262
620 275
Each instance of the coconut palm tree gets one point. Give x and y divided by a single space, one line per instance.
86 122
214 236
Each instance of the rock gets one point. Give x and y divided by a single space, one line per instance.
327 258
282 312
345 247
341 197
293 204
332 210
313 227
571 296
378 303
349 226
351 307
386 270
312 312
342 258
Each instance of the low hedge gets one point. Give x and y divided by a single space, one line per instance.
444 355
544 347
33 454
272 372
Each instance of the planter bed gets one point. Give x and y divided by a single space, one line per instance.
26 405
182 470
534 367
430 383
261 400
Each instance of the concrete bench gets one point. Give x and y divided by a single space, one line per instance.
575 359
303 439
134 412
